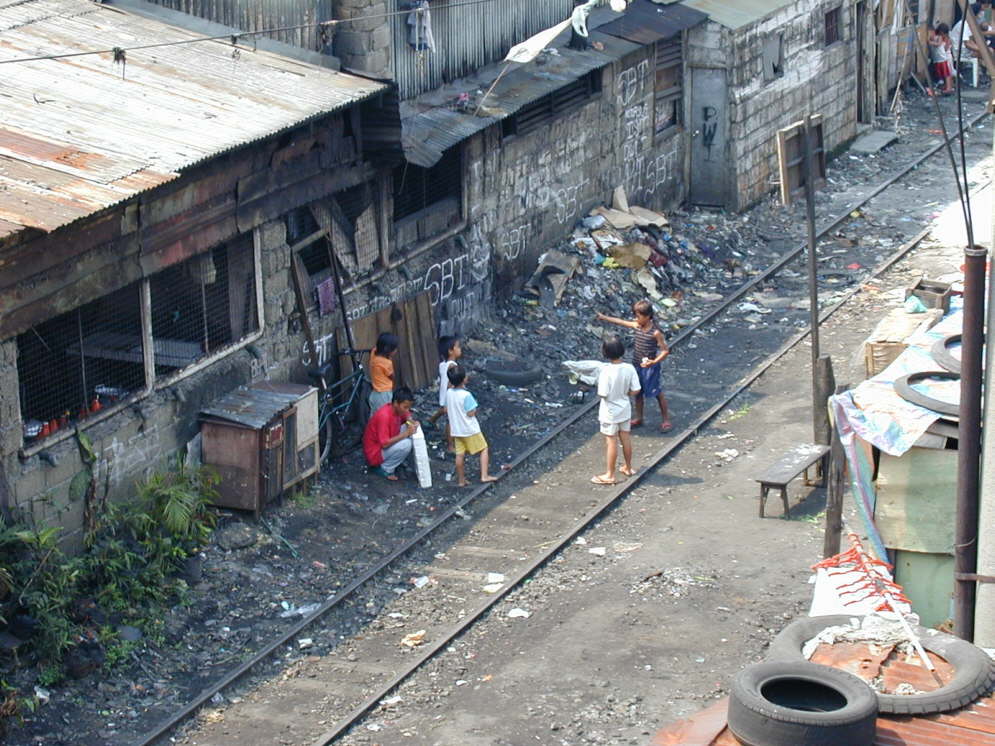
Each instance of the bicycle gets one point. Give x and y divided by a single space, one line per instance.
343 407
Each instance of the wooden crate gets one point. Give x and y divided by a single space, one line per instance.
887 341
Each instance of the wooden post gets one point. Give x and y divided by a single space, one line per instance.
835 486
297 274
825 385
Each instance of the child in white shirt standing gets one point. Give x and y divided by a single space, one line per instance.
449 352
617 381
461 409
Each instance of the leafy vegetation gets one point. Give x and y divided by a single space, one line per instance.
130 567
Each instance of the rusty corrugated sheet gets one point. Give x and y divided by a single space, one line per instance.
430 130
83 133
253 408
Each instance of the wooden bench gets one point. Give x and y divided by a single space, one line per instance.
789 466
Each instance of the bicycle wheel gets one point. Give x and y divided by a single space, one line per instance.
326 436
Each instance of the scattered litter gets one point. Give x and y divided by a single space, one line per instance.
747 307
414 639
218 699
374 727
291 611
625 546
420 582
304 643
493 587
495 577
397 615
597 551
395 700
728 454
461 682
43 695
580 540
519 614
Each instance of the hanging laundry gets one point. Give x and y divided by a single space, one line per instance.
420 26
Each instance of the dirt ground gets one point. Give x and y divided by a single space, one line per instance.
609 653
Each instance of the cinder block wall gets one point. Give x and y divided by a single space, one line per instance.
817 80
526 192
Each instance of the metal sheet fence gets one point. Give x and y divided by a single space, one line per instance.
466 38
253 16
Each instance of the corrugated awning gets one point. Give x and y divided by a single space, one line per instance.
645 22
253 408
431 125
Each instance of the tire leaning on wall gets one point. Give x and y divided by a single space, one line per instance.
797 703
974 671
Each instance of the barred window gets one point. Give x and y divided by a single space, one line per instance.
79 362
669 87
417 188
203 305
833 25
544 110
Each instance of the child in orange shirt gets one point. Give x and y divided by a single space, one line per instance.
382 371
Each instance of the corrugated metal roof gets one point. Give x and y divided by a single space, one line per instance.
645 22
431 126
253 407
76 136
738 13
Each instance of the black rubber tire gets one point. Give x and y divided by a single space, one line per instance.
974 672
512 372
940 352
800 703
903 387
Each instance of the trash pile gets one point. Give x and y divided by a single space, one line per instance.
624 237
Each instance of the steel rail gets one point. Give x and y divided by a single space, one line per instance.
364 577
614 496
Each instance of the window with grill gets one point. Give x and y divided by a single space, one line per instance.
833 26
544 110
417 188
75 364
669 87
203 305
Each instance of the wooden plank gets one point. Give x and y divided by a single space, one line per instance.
28 258
427 335
298 193
791 464
297 273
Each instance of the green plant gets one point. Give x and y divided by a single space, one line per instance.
180 499
50 675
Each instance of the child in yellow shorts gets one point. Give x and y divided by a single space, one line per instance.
461 409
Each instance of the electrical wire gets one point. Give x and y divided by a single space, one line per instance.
235 37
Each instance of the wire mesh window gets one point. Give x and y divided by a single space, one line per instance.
80 362
669 86
416 188
833 25
202 305
544 110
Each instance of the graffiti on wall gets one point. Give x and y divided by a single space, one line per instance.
646 172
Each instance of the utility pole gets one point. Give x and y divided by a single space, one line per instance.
818 400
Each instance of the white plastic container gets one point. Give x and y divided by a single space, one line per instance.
422 465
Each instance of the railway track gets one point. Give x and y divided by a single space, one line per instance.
509 540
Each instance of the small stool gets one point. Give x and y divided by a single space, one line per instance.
794 462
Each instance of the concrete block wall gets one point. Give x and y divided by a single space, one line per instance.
526 192
363 44
817 79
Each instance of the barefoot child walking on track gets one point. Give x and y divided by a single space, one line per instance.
648 350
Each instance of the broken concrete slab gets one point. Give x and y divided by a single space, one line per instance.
873 141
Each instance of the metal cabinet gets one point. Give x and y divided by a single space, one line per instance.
261 440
